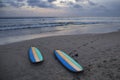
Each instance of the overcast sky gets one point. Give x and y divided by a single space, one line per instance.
31 8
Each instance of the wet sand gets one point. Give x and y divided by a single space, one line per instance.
99 54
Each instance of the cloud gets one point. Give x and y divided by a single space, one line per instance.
40 3
85 2
46 3
13 3
67 4
2 5
70 7
51 1
91 3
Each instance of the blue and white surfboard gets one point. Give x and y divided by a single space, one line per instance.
67 61
35 55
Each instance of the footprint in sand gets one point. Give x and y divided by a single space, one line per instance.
104 61
73 53
85 44
91 41
108 49
76 77
92 47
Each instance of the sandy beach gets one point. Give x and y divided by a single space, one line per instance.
99 54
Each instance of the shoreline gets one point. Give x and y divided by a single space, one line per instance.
28 34
48 35
97 53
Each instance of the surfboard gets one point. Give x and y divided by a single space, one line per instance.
67 61
35 55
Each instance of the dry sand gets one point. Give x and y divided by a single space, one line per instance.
99 54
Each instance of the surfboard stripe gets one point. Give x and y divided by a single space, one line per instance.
31 55
64 62
67 60
35 55
39 54
73 61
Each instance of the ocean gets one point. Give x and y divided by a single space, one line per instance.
14 29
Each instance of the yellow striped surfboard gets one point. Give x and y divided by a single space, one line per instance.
67 61
35 55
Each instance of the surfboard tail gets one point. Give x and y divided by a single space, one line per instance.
35 55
